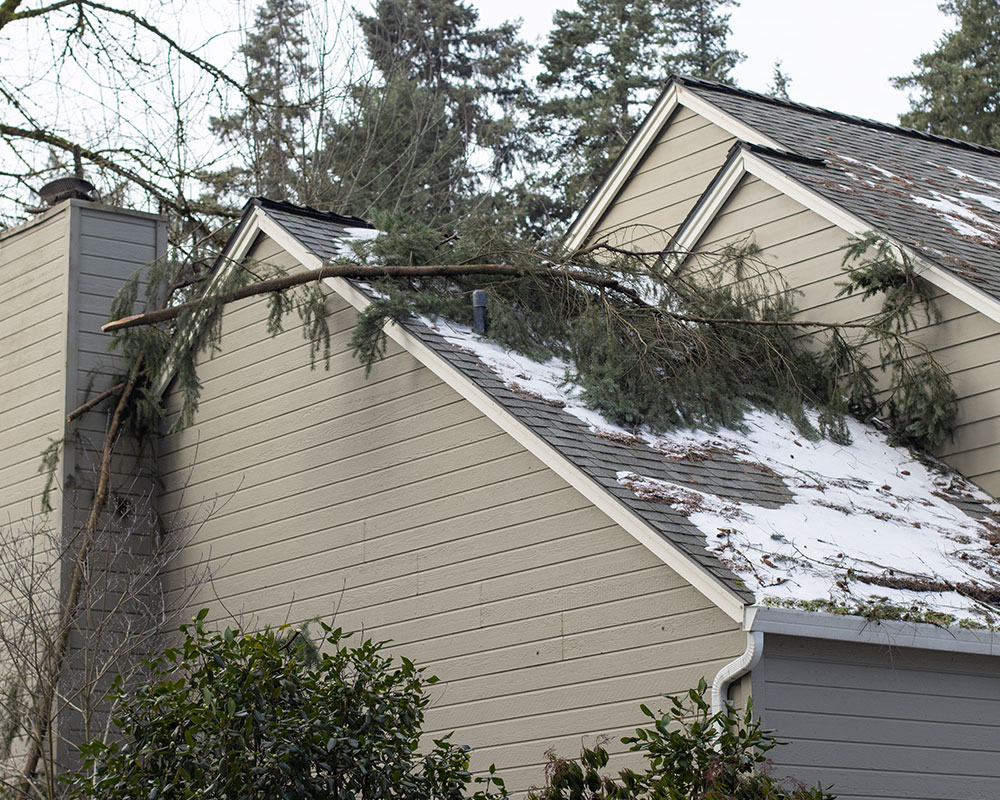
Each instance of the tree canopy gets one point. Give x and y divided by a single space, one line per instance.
957 85
602 67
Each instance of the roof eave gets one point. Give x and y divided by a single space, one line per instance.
746 159
895 633
676 93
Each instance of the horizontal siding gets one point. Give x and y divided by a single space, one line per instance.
804 252
882 722
394 503
33 261
667 183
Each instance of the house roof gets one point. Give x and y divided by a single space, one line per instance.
687 490
937 195
940 197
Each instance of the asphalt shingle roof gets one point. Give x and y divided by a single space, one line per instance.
600 457
937 195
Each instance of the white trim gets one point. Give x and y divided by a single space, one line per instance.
836 214
820 625
709 205
699 105
748 163
687 567
634 151
639 144
736 669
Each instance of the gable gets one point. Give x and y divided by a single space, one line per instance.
395 504
666 184
805 250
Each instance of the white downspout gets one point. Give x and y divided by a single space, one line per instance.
736 669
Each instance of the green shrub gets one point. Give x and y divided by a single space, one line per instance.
267 715
690 754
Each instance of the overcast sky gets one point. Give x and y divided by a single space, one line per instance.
839 54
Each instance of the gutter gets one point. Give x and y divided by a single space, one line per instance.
736 669
760 620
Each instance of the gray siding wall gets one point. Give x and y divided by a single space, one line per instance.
882 722
393 504
60 272
806 252
107 246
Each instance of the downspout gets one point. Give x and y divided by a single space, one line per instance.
736 669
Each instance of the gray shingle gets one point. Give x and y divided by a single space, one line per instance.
856 156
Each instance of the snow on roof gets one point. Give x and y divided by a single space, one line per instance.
865 526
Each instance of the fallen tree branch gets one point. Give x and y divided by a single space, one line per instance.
79 412
284 282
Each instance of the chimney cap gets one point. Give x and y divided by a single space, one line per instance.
65 188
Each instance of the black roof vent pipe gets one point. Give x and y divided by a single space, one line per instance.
479 321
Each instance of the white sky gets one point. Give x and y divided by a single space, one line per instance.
839 54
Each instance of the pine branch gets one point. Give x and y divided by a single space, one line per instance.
284 282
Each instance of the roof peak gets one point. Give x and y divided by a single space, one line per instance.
702 83
307 211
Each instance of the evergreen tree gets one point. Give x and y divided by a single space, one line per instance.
780 81
268 133
700 30
436 123
602 67
958 84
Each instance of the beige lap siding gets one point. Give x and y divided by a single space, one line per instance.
32 356
393 501
806 251
667 183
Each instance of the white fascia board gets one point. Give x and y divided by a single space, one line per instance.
645 137
671 555
591 214
730 124
894 633
705 212
839 216
237 249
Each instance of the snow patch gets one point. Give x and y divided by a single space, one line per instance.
961 217
862 523
866 522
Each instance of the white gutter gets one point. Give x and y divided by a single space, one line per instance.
736 669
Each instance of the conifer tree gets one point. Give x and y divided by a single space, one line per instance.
602 67
780 81
268 132
700 30
957 84
435 124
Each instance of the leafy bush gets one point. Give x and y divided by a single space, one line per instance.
690 754
267 715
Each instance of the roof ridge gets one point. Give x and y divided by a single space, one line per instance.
308 211
685 80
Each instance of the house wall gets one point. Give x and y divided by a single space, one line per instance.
60 271
667 183
879 721
391 503
805 250
107 245
33 259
